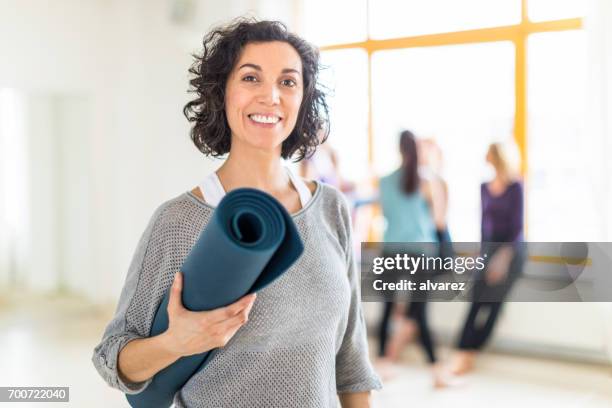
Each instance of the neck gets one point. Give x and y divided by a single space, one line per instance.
248 167
501 178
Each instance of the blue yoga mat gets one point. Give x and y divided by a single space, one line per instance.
249 242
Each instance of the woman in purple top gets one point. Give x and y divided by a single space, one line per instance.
502 236
502 212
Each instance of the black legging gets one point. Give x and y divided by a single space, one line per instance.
473 336
417 312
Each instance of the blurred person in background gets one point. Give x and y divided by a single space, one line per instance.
414 208
430 168
501 236
323 166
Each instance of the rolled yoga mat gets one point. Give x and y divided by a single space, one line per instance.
249 242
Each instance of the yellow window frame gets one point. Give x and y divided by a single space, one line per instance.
517 33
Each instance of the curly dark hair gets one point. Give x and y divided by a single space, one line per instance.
222 46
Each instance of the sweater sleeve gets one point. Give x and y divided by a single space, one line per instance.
354 372
132 320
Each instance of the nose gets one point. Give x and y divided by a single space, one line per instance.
270 95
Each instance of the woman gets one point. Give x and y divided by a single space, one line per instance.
414 208
257 100
502 222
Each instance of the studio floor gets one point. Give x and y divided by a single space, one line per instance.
47 341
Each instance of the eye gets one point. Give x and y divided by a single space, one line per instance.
289 82
249 78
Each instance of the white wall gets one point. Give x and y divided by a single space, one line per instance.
599 117
127 61
13 175
133 80
42 267
600 113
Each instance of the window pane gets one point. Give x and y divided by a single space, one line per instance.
463 96
327 22
563 196
540 10
347 77
390 18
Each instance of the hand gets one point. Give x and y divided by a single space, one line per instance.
197 332
497 269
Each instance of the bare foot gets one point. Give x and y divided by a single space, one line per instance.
439 380
443 377
463 362
404 333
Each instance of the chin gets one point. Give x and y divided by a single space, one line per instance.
266 147
267 143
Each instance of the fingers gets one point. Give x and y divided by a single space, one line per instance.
175 303
225 329
236 321
229 311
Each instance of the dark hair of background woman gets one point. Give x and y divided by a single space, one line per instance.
408 149
210 132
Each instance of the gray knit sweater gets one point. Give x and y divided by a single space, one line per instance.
305 340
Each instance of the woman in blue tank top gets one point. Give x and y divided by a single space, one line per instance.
414 208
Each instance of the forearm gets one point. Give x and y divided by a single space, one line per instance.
438 203
141 359
355 399
505 253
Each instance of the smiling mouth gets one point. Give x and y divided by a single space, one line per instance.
265 119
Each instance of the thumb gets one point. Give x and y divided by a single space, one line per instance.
175 302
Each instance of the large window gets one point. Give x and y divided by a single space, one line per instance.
460 95
392 18
559 159
342 21
467 73
346 72
542 10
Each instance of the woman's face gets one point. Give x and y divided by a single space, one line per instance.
263 95
489 157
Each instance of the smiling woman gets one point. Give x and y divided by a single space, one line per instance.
245 62
304 345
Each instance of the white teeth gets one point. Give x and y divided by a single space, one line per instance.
264 119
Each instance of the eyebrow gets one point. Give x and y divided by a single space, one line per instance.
258 68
